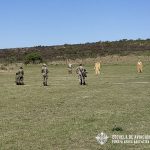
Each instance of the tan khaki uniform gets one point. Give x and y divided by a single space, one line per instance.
139 67
97 68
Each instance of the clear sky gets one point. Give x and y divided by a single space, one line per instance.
25 23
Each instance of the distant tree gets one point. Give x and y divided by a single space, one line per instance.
33 57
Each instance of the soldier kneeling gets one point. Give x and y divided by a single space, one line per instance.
19 77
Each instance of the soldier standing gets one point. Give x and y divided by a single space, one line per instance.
44 72
69 68
139 66
20 76
17 79
97 68
81 74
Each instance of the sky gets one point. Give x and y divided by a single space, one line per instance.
27 23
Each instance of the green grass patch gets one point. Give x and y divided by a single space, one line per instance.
67 116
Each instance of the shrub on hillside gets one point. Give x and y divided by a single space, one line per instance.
33 58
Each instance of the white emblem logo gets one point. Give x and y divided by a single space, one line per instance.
102 138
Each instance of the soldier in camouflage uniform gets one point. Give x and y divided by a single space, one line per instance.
44 72
17 78
20 76
81 74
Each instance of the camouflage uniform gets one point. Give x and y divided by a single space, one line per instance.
44 72
81 74
19 77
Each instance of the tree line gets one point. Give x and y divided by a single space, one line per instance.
73 51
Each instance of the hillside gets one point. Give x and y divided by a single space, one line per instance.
88 50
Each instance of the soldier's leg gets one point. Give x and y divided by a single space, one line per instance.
80 79
98 71
95 71
16 80
83 81
140 70
44 80
70 71
21 81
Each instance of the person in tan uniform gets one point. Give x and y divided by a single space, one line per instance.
139 66
97 68
70 68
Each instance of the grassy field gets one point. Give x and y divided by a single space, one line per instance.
67 116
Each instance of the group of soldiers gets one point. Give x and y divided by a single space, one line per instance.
20 75
80 70
82 74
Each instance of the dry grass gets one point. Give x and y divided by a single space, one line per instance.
112 59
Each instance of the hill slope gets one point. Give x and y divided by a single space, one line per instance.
87 50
